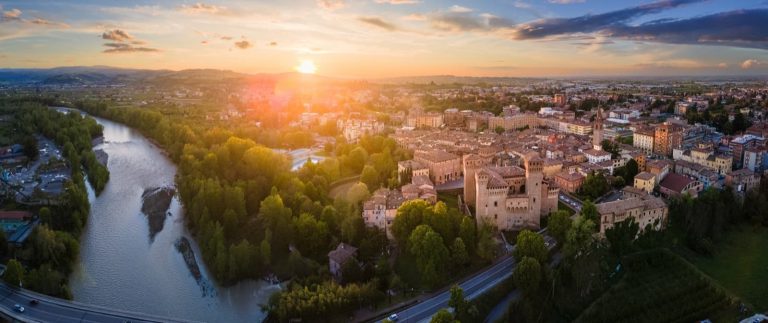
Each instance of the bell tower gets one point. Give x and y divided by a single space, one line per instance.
597 131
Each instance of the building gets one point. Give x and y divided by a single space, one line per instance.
425 120
420 188
754 159
381 208
338 257
595 156
560 99
513 198
743 180
645 181
643 139
597 131
707 176
706 157
443 166
516 121
741 144
659 168
650 213
675 185
666 138
412 168
569 181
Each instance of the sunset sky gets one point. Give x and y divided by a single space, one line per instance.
384 38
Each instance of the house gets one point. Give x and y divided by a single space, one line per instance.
743 180
340 256
647 211
569 181
645 181
676 185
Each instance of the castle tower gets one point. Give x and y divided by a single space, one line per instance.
470 164
597 131
534 176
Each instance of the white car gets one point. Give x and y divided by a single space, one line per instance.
393 318
18 308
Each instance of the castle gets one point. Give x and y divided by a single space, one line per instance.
510 197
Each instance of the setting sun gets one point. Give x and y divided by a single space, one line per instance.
306 67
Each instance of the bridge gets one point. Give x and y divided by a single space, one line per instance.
51 309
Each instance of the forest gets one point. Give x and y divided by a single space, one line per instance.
47 258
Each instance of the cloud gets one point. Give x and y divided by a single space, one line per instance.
116 48
459 9
226 38
202 8
415 17
378 22
567 1
396 2
243 44
44 22
13 14
331 4
522 5
591 23
750 63
116 35
466 21
740 28
273 43
722 65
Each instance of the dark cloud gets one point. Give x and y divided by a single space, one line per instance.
741 28
378 22
116 35
591 23
243 44
116 48
468 21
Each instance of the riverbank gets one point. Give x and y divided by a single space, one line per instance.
155 204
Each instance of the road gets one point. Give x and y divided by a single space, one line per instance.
473 287
571 202
52 309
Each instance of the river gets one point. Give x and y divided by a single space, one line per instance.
121 267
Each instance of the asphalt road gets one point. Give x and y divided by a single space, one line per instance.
473 287
56 310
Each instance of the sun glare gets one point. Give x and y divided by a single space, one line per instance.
306 67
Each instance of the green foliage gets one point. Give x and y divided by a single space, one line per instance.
430 252
579 237
595 185
527 275
661 281
14 273
320 302
621 237
589 212
459 255
611 147
30 147
442 316
530 244
705 218
628 171
558 225
486 246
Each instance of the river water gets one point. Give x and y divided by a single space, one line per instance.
121 267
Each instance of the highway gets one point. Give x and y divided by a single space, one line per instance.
473 287
51 309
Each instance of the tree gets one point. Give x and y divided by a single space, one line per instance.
611 147
312 236
442 316
499 130
530 244
277 218
14 273
621 236
358 193
467 232
595 185
579 237
589 211
457 300
527 275
558 224
431 254
459 255
370 176
486 245
630 170
30 147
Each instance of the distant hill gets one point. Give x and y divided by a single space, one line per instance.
75 75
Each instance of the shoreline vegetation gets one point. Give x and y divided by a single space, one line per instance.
46 260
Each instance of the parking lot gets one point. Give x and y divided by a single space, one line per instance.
48 177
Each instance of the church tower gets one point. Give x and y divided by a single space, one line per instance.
597 130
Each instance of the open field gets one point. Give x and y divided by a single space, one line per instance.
660 286
741 265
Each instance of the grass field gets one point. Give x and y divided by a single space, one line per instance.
660 286
741 265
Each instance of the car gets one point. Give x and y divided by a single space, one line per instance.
18 308
34 302
393 318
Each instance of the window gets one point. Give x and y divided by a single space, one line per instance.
495 203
